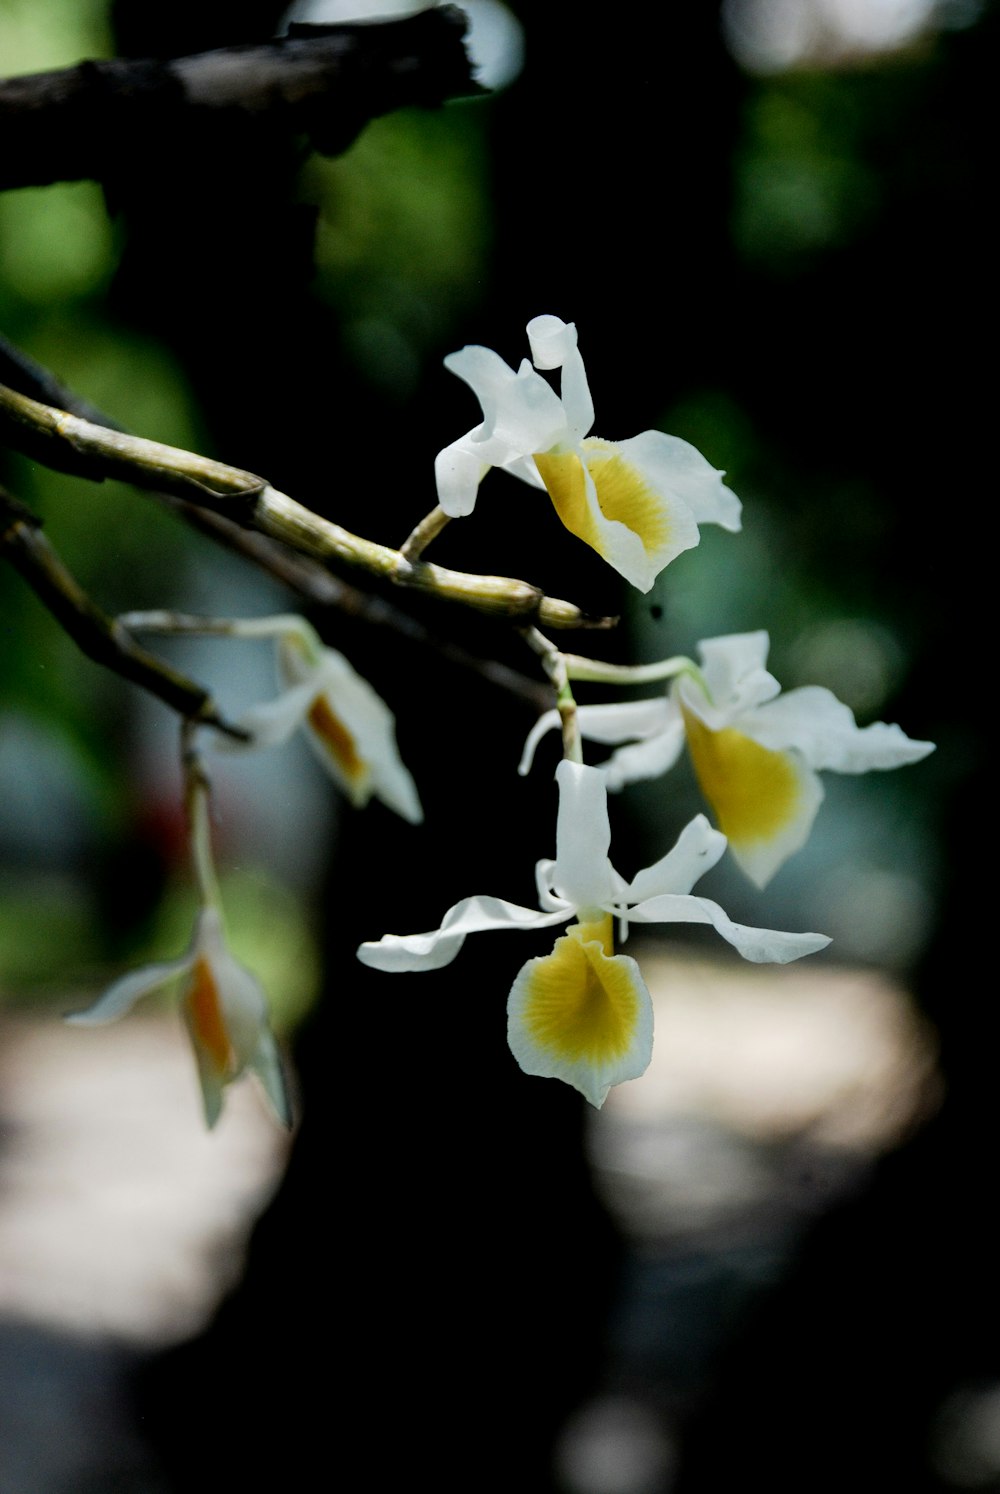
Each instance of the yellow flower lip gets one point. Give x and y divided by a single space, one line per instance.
582 1014
756 792
622 496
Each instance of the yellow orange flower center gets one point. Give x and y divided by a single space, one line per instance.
208 1025
754 791
338 741
581 1002
622 494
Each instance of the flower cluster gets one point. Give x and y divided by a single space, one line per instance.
580 1013
583 1013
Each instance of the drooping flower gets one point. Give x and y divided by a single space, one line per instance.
223 1004
756 752
348 725
638 502
582 1013
224 1009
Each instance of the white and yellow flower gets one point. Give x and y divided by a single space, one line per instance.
638 502
756 752
223 1004
348 725
582 1013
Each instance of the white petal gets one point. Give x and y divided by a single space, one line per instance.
824 731
675 466
645 760
366 760
266 1064
211 1084
735 672
525 469
241 996
583 874
473 915
626 720
272 722
458 471
122 995
762 946
613 722
552 341
548 899
486 374
698 849
578 404
522 413
554 345
548 721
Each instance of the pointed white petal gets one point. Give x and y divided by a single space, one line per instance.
762 946
581 1015
824 731
122 995
548 721
212 1087
698 849
266 1064
473 915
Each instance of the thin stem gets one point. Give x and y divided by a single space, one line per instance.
554 664
428 529
197 798
598 672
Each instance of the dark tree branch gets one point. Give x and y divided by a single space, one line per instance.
99 636
101 120
300 573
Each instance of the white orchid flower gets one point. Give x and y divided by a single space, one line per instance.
223 1004
225 1011
348 725
757 753
638 502
582 1013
